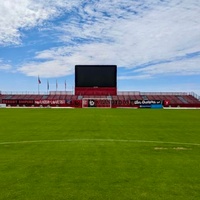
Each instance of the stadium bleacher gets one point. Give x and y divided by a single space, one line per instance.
173 99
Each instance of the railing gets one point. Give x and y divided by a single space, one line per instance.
159 93
151 93
118 93
61 92
36 93
164 93
195 95
22 92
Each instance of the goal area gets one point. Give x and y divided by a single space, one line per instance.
97 103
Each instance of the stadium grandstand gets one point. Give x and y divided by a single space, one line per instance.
91 90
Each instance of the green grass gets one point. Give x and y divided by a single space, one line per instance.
72 156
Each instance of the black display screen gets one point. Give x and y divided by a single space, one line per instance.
95 76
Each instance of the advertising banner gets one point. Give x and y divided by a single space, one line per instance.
25 102
49 102
91 103
18 101
145 102
9 101
166 103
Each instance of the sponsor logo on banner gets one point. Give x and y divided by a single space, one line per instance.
85 103
49 102
91 103
145 106
26 101
68 101
166 102
146 102
18 101
9 101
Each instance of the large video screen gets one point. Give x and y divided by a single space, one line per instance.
95 76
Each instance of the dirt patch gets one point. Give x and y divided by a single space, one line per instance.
172 148
181 148
160 148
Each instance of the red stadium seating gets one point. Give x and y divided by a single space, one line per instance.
124 98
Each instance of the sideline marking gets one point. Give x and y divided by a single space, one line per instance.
99 140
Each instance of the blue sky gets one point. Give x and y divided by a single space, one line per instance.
154 43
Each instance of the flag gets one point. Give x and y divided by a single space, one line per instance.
39 81
56 85
47 84
65 85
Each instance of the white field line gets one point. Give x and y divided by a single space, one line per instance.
99 140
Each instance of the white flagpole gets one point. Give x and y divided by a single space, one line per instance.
56 85
39 82
47 87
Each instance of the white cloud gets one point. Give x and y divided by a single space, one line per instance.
180 67
126 33
23 14
54 68
4 66
135 77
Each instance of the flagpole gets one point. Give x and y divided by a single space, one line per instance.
39 82
38 85
56 85
47 86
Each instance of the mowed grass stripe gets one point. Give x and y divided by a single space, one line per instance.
99 140
96 166
58 124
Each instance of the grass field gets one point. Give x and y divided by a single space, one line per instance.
97 154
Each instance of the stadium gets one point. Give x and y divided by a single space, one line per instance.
96 86
100 154
99 100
